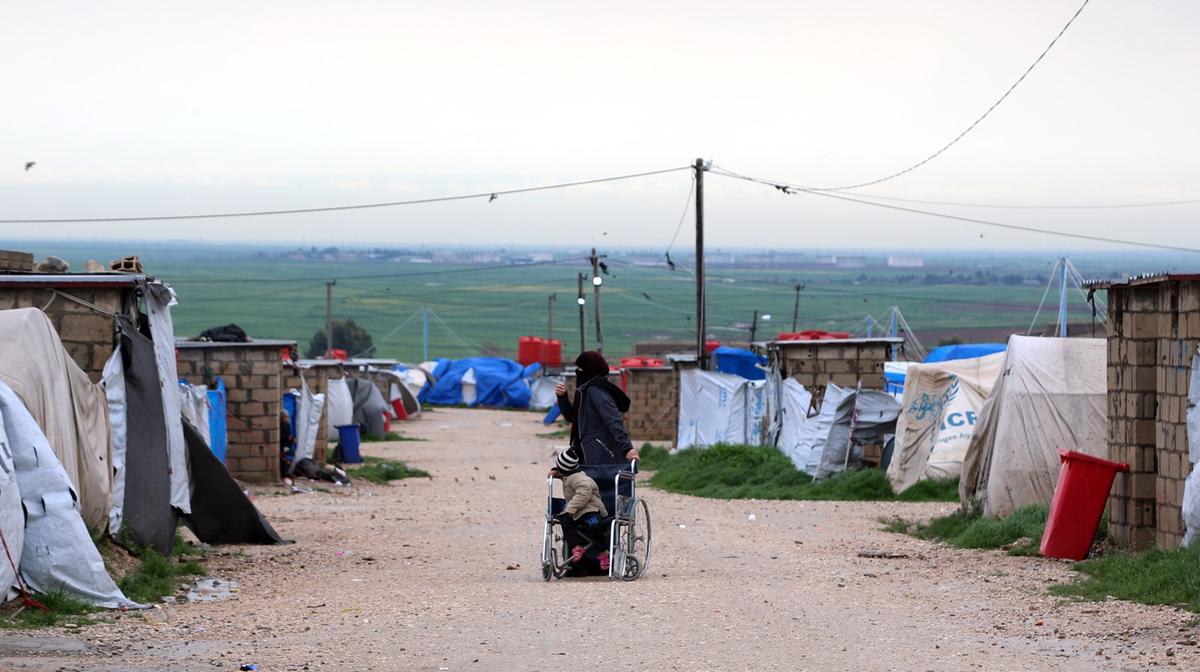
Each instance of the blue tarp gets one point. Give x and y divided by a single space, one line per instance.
216 419
946 353
498 382
551 415
289 405
739 362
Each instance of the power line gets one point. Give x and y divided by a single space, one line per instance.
791 190
686 207
1018 206
490 195
973 124
469 269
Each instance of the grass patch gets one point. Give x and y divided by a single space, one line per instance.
1153 577
61 609
762 472
157 577
391 436
379 470
556 434
970 530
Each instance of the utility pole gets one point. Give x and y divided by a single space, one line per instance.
424 333
596 282
1062 299
329 318
582 326
550 316
796 308
700 335
754 326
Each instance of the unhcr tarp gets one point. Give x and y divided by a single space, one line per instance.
12 514
57 554
939 412
1050 397
718 408
67 406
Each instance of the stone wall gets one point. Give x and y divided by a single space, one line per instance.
654 403
819 363
253 381
87 334
1153 331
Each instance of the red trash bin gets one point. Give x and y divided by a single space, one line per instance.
1079 499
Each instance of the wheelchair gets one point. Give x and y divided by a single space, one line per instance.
625 533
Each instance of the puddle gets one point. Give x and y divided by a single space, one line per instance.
212 590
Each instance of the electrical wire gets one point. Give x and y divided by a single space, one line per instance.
686 206
376 276
1038 312
791 190
973 124
1027 206
490 195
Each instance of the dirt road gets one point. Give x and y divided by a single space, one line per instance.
443 574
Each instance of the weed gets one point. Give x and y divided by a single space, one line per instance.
391 436
1153 577
379 470
156 576
60 608
556 434
970 530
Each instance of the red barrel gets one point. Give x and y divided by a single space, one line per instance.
529 350
1079 499
553 353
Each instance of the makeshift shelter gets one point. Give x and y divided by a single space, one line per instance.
369 407
718 408
824 441
57 552
401 398
1049 397
67 406
739 362
940 410
481 381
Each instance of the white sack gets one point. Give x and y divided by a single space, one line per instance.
340 407
159 299
58 552
113 382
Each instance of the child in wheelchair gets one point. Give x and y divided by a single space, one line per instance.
584 516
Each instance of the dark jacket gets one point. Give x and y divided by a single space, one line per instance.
596 423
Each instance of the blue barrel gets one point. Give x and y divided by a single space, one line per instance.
348 437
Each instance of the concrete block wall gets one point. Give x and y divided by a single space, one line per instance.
817 364
253 381
88 335
1153 331
654 403
317 379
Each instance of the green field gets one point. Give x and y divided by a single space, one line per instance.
484 310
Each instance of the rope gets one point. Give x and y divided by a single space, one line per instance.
76 299
25 598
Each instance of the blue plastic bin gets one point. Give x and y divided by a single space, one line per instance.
348 437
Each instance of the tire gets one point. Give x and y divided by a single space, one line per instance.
635 541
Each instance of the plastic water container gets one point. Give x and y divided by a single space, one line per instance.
348 437
1079 499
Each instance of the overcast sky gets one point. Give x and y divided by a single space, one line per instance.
142 108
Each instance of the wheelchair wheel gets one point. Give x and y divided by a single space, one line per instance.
635 541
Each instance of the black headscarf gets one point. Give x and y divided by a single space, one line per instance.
589 365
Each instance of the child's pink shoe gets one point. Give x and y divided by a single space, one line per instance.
577 554
604 561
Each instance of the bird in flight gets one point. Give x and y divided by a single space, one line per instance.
29 164
491 198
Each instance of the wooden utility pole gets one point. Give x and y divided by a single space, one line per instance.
754 326
596 282
329 318
550 316
796 308
582 326
700 336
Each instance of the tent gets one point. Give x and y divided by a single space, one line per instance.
400 393
56 552
739 362
369 406
481 381
70 409
718 408
940 409
946 353
415 378
818 441
1051 396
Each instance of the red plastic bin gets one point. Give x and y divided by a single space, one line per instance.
1079 499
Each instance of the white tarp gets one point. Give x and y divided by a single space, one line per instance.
468 387
196 408
542 392
1051 396
794 408
939 412
307 420
340 406
1191 487
70 409
159 300
718 408
414 379
113 382
812 435
12 516
868 415
58 553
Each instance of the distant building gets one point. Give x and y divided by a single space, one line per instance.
851 262
900 261
825 260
